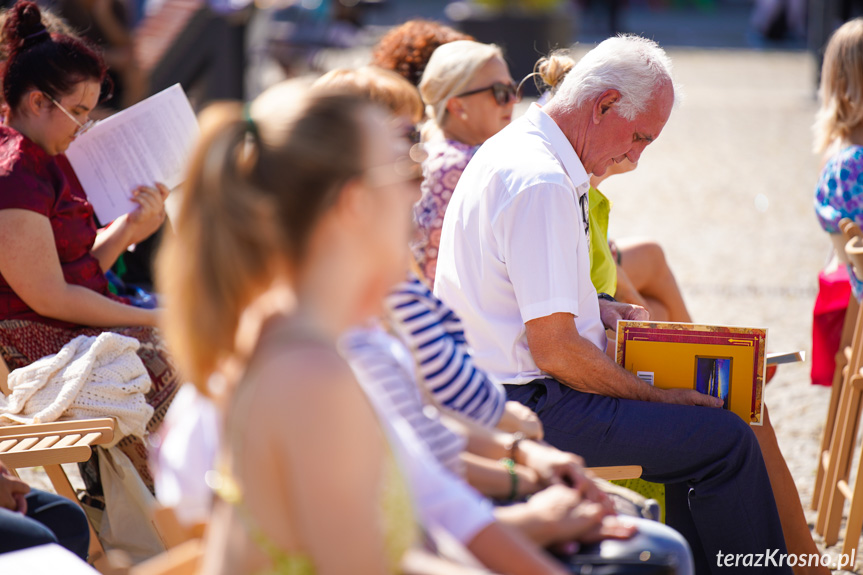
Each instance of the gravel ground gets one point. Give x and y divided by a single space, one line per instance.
727 191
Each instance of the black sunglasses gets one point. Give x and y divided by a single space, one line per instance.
503 93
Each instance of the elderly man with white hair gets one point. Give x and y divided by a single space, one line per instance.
514 264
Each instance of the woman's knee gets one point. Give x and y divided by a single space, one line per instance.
63 518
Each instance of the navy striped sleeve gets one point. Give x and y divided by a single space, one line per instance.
435 336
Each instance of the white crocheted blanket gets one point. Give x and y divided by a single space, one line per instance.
92 376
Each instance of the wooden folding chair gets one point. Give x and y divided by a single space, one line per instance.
184 559
617 472
836 461
853 318
49 445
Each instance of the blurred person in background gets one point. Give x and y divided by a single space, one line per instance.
406 49
469 96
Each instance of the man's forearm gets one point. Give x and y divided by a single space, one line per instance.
586 368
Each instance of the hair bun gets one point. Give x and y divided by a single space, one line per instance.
24 25
554 67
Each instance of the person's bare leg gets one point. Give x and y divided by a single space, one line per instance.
798 538
645 264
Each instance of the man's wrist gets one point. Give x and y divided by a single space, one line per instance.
605 296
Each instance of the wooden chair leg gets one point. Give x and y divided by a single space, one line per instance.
835 497
854 526
61 484
831 477
852 316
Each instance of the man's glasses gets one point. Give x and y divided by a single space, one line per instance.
81 127
503 93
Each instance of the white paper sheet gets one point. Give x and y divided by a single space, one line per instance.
48 559
147 143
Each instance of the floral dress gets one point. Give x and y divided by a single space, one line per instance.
442 169
839 194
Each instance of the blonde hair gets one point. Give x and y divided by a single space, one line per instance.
841 90
550 70
259 180
383 87
449 71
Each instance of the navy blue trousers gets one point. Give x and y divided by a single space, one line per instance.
718 494
50 519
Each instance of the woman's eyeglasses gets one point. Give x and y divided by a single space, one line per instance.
81 127
405 169
503 93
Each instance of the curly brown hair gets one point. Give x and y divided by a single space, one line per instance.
406 49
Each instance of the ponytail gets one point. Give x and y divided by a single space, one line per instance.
219 259
257 186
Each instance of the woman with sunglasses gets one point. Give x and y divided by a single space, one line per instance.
52 258
469 96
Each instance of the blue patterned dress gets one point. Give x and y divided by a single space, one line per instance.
839 194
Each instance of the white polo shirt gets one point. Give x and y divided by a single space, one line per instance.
513 245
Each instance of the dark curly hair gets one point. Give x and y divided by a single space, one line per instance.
38 59
406 49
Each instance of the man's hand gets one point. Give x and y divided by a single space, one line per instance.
611 311
12 491
690 397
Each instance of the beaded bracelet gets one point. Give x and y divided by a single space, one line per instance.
509 464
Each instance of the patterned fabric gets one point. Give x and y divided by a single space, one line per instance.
32 180
839 194
442 169
91 376
435 336
23 342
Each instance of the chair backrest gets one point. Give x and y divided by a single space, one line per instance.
4 377
839 240
854 251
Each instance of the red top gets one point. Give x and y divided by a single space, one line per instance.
30 179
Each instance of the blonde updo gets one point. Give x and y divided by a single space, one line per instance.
550 71
450 70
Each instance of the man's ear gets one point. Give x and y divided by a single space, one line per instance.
604 103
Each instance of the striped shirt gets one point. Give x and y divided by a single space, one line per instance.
385 370
435 335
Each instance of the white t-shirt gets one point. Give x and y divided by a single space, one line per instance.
513 245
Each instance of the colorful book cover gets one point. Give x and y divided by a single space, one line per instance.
722 361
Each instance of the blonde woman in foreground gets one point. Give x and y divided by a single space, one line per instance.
312 198
311 206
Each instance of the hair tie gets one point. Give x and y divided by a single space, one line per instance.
36 34
251 126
